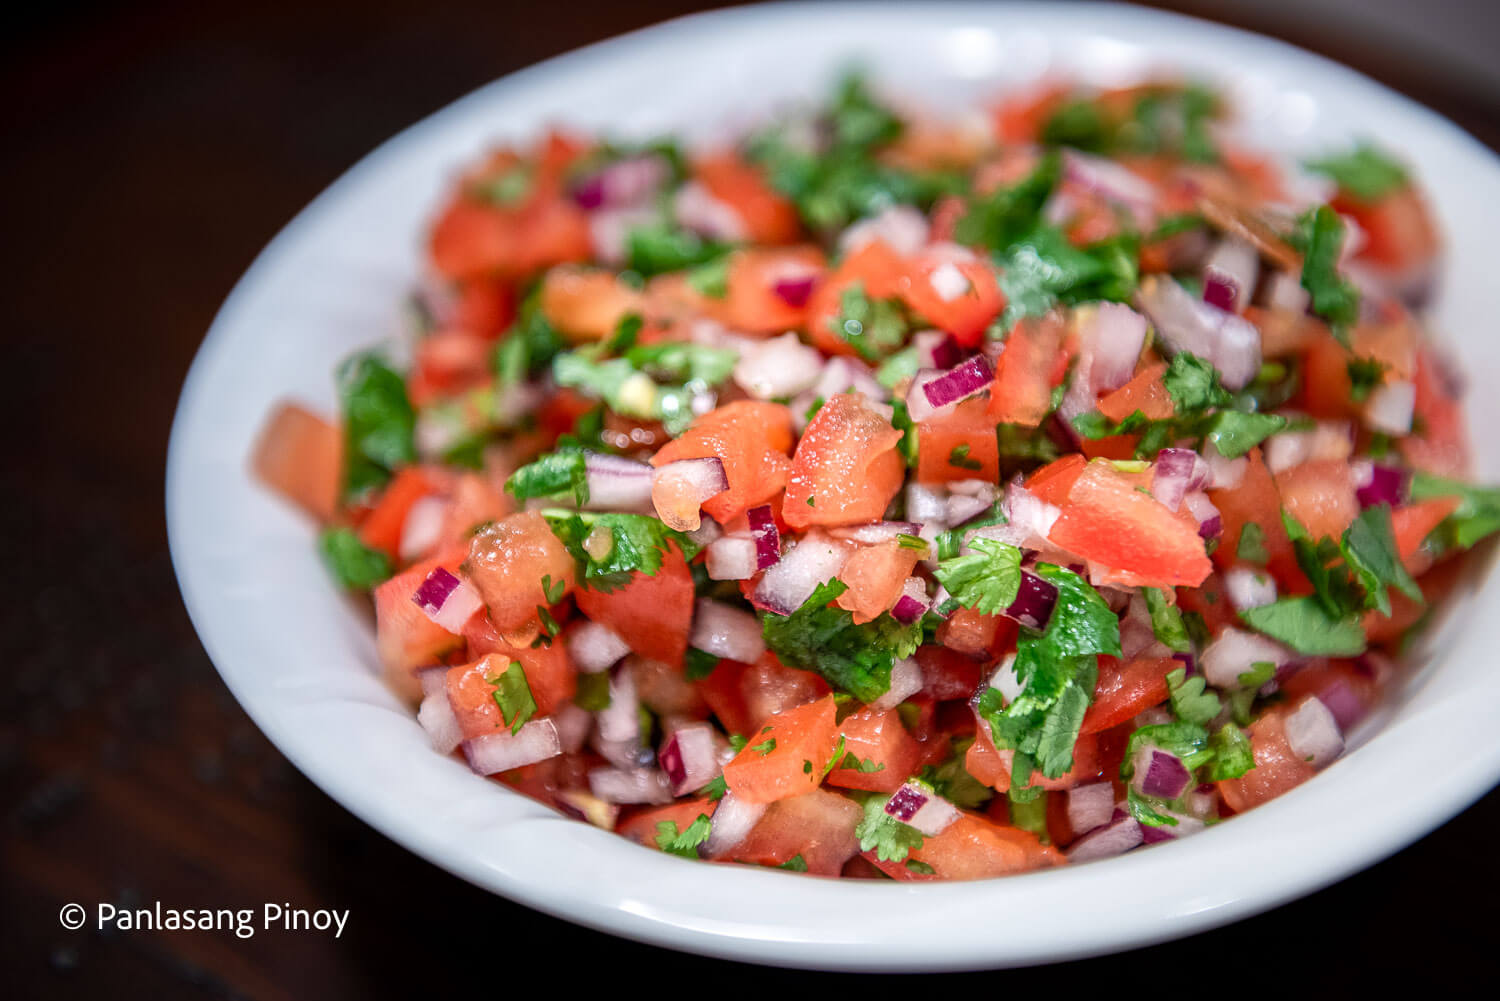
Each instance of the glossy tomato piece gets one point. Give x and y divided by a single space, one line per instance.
1145 392
300 456
787 756
818 826
885 752
507 563
1277 769
640 825
768 216
1026 371
382 527
846 469
1319 494
973 848
769 289
959 296
1126 690
958 444
586 304
550 673
874 577
652 614
404 636
1109 522
1255 500
751 439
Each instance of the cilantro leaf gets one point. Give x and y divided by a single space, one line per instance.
873 327
821 637
1252 545
684 843
683 361
794 864
1333 297
1188 741
530 344
592 694
552 475
952 781
1194 384
1166 620
883 834
1303 624
1233 755
698 664
865 766
985 579
1364 172
1004 216
353 564
1369 547
1478 512
658 248
513 695
1365 376
1081 624
637 544
379 423
1235 432
1041 269
1189 701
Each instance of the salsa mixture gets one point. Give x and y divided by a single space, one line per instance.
892 497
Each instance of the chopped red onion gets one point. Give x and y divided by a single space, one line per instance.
1248 588
678 490
812 561
917 805
795 291
913 603
906 680
1113 182
1188 661
628 181
1347 707
725 631
1230 274
1177 471
767 537
1377 483
918 406
1390 407
731 558
1034 601
616 483
585 806
441 723
901 227
960 382
573 725
875 532
1235 652
1184 826
690 758
732 822
937 349
447 600
593 647
780 367
1160 774
1090 806
1120 835
502 750
1226 340
695 208
1210 523
1313 733
423 527
630 785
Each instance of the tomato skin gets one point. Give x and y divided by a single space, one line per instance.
1319 494
1442 446
973 848
507 562
1256 500
381 528
767 215
1125 690
1277 767
653 614
1411 524
878 739
819 826
1399 232
751 439
787 756
846 468
471 693
1145 392
976 635
874 576
1021 392
753 304
947 674
965 316
966 426
300 456
1109 522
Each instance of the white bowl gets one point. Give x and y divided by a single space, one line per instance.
301 660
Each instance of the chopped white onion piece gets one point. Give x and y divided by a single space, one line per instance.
438 719
903 228
503 750
814 560
1249 588
630 785
1235 652
593 647
732 822
423 527
731 558
780 367
1090 806
1313 733
1391 406
906 680
725 631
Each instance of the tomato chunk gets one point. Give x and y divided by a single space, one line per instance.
818 826
846 468
300 455
508 562
785 757
885 753
1277 769
652 614
1109 522
751 439
958 444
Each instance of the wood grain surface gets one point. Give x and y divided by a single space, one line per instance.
150 150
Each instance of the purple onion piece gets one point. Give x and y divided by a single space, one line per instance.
905 802
1347 707
588 193
1034 601
1387 485
959 382
1189 663
1212 528
1154 835
795 291
1218 290
434 591
767 538
1161 774
907 609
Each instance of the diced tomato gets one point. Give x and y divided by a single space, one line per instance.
1413 523
1336 681
988 765
1319 494
975 634
1126 690
1399 232
473 502
1022 391
475 240
484 308
958 444
973 848
1277 769
742 695
300 456
1020 119
1114 446
968 313
666 691
1441 442
874 576
550 673
751 439
640 825
768 216
846 468
1326 391
586 304
818 826
947 674
545 779
1209 600
754 305
1145 392
382 527
507 563
405 637
1054 481
1256 501
875 268
652 614
1109 522
471 693
886 753
787 756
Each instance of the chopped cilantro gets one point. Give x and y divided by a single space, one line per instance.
1303 624
552 475
698 664
1478 512
1233 755
1194 384
1235 432
683 361
1166 621
638 544
822 637
765 747
1188 741
958 457
659 248
901 421
920 868
353 564
901 365
1252 545
513 695
711 278
379 423
986 579
1189 701
1369 547
883 834
794 864
592 693
684 843
873 327
865 766
1365 376
1364 172
1333 297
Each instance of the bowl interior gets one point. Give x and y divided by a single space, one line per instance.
301 658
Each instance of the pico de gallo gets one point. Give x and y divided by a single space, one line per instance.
891 497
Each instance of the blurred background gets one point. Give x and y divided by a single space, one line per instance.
151 149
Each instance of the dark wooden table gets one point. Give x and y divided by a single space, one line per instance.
151 149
